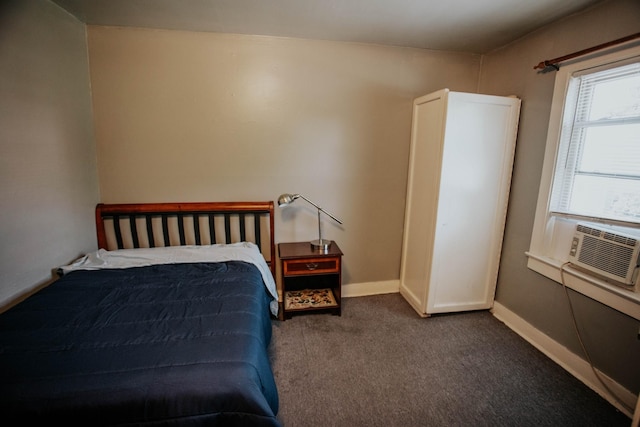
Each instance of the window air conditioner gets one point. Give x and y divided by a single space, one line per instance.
607 253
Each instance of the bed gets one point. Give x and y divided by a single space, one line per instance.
167 323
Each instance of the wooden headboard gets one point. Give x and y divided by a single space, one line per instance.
147 225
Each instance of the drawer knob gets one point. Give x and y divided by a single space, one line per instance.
312 266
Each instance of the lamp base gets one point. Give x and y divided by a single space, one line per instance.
321 245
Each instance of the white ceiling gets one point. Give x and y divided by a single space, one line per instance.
476 26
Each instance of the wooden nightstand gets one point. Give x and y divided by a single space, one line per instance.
311 280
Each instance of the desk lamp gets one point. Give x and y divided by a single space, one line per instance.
320 244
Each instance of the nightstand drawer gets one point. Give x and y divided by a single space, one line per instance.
311 266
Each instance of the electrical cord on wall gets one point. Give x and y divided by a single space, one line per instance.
584 349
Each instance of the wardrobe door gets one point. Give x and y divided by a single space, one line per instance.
479 145
422 195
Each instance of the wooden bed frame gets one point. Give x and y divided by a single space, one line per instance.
142 225
171 344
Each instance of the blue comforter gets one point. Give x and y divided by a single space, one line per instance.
172 344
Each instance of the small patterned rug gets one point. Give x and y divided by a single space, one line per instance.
309 298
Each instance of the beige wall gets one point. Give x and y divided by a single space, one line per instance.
611 337
185 116
48 179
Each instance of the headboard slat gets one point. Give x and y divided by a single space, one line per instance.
165 230
242 227
134 231
256 225
227 228
118 232
181 229
212 229
149 220
196 228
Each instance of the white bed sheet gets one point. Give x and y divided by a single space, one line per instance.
126 258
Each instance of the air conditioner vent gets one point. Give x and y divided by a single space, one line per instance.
588 230
607 253
620 239
605 256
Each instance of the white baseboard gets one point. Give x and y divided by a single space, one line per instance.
370 288
571 362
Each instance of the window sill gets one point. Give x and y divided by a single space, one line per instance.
626 301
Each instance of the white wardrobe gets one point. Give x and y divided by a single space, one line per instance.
462 149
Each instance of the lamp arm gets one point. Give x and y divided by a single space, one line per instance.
320 209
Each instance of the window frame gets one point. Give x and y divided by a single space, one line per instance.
552 232
576 126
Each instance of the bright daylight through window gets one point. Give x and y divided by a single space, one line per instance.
598 164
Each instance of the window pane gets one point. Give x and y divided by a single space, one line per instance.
606 197
616 98
612 150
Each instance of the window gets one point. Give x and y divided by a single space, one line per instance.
598 163
591 169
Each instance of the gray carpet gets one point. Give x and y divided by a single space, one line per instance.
379 364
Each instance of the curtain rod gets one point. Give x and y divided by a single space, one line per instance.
554 62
